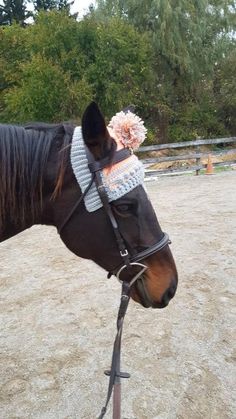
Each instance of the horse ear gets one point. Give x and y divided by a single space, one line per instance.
130 108
94 129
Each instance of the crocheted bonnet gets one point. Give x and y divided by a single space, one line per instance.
128 131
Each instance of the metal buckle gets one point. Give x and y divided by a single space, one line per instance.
124 253
101 187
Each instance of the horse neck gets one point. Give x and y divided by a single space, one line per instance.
10 229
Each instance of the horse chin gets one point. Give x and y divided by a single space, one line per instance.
140 295
139 298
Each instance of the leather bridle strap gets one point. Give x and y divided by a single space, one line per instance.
78 202
118 156
119 239
157 247
115 374
96 170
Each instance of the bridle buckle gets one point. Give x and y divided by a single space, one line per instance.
124 253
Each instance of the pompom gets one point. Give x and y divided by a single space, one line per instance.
129 129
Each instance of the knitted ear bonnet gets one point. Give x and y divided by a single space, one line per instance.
128 131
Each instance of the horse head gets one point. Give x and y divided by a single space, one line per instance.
90 234
45 171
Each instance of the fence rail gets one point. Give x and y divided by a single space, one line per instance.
196 156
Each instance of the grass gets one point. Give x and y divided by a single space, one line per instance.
218 169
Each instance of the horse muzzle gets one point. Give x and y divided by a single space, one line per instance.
136 274
140 293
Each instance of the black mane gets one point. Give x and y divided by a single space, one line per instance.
24 153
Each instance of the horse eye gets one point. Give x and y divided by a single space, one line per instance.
123 209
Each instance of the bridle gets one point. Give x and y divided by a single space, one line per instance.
129 262
96 167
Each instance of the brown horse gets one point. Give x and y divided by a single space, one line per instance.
38 186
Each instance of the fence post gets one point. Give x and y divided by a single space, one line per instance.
196 156
198 159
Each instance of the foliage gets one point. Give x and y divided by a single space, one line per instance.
173 59
46 5
13 50
63 62
119 63
189 40
225 91
46 93
13 11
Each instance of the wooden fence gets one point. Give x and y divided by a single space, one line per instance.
196 156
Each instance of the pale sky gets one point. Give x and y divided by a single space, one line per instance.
81 6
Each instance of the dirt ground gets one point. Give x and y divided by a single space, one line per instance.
57 319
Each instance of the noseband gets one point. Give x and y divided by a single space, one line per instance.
129 262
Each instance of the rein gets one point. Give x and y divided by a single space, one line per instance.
129 261
114 373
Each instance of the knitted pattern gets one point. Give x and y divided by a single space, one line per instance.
118 180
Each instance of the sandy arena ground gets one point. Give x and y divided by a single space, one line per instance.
57 319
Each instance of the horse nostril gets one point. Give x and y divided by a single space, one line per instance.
170 292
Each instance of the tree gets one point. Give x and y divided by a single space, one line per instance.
41 71
225 90
117 63
46 5
13 51
55 35
186 35
69 62
50 69
13 11
188 38
46 93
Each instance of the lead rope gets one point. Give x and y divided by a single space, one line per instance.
115 374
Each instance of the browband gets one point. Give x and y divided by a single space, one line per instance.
96 165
